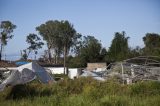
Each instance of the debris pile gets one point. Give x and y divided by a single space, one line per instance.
132 70
26 73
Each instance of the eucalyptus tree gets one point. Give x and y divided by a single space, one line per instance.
6 29
50 33
34 42
152 44
68 36
59 35
119 47
91 49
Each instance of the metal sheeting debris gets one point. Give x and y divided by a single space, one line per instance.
136 69
131 70
92 74
27 73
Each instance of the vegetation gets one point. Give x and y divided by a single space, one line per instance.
62 39
152 44
59 35
6 29
82 92
89 49
55 33
119 48
34 43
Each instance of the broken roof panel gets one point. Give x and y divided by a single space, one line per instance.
92 74
27 73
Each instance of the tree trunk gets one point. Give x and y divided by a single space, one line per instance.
64 62
49 54
56 54
0 56
34 56
54 59
1 52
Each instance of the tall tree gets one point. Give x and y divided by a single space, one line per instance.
119 47
59 35
91 49
77 44
24 55
68 36
50 33
34 43
88 49
135 52
152 44
6 29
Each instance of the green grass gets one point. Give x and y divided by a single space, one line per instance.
82 92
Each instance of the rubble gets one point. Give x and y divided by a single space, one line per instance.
132 70
136 69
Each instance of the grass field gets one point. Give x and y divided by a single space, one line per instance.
82 92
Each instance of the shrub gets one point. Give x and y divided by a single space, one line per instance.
82 92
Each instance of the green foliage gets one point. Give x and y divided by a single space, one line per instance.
50 33
103 54
24 55
67 33
146 88
82 92
68 36
77 45
114 101
34 43
60 36
91 49
135 52
152 44
77 62
119 47
88 49
6 29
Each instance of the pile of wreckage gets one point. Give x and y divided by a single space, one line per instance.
129 71
132 70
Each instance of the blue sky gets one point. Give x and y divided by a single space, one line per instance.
99 18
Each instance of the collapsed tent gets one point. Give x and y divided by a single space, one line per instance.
27 73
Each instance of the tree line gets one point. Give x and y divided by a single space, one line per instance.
63 40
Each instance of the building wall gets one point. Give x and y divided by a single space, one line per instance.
93 66
74 72
56 70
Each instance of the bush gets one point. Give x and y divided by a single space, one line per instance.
145 88
82 92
